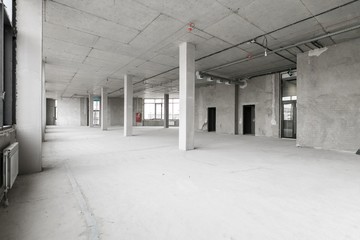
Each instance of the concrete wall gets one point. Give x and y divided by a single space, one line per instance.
116 110
329 97
68 112
83 111
220 96
73 111
263 92
29 97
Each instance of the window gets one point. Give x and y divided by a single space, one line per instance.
174 108
7 66
154 108
96 112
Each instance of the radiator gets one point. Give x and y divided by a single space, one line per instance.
11 159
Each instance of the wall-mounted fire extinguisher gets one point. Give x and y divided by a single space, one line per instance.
138 117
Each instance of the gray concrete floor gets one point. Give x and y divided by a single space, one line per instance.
102 185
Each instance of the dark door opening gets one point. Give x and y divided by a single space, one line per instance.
249 119
211 119
50 111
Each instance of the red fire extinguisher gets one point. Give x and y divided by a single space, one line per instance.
138 117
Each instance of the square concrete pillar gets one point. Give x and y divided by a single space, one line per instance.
29 96
104 108
128 105
166 110
91 110
187 95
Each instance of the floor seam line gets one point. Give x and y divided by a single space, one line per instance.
88 215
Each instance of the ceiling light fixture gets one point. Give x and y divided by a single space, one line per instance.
199 75
209 79
227 83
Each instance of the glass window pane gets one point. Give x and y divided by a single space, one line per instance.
8 8
96 105
176 111
286 98
149 111
148 100
288 112
96 117
158 111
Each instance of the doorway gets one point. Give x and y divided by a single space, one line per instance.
249 119
289 119
211 119
50 111
288 104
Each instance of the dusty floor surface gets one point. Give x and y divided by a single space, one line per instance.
101 185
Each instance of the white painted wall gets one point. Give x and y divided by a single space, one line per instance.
29 84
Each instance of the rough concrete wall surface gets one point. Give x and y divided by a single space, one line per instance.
220 96
83 111
263 92
116 111
154 123
68 112
329 97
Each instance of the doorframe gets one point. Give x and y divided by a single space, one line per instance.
242 109
294 135
208 118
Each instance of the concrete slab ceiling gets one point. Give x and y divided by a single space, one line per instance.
86 43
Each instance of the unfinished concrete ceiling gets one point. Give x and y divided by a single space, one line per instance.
89 44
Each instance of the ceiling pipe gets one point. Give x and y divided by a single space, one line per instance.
284 48
289 25
236 45
269 49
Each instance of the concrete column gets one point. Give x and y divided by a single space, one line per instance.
104 108
43 96
29 84
166 110
187 96
128 105
91 110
